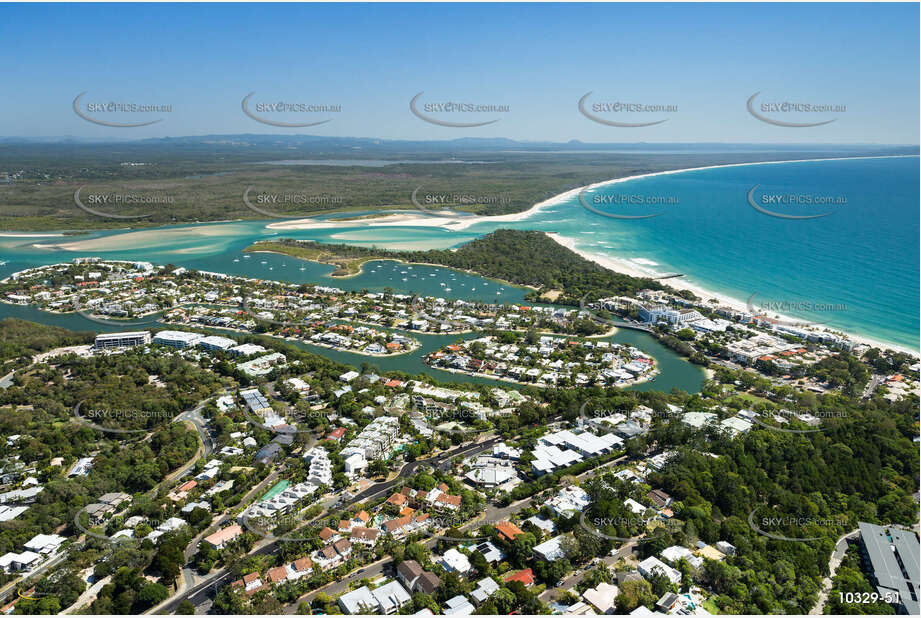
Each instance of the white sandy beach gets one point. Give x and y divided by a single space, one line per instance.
452 222
148 238
457 223
26 235
632 268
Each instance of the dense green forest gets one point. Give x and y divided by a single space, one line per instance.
21 340
526 258
205 178
862 466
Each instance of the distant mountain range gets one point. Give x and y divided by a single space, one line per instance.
467 144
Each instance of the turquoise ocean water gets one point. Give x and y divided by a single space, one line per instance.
856 269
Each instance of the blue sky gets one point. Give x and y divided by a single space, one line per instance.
538 59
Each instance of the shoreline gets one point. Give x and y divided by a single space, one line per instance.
390 259
451 223
627 267
616 264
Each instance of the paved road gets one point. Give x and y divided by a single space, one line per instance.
200 593
492 514
7 380
573 580
833 563
11 587
870 388
188 586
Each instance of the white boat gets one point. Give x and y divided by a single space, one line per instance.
246 257
302 268
235 260
447 289
441 284
263 262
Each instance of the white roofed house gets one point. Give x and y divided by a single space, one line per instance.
652 566
453 560
736 426
24 561
390 597
358 601
550 550
485 588
676 552
44 543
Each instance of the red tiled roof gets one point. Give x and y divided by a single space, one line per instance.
278 574
449 499
342 546
303 564
526 577
326 533
227 534
508 530
397 500
369 534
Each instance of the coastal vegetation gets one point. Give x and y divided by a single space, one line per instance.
526 258
862 466
201 179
